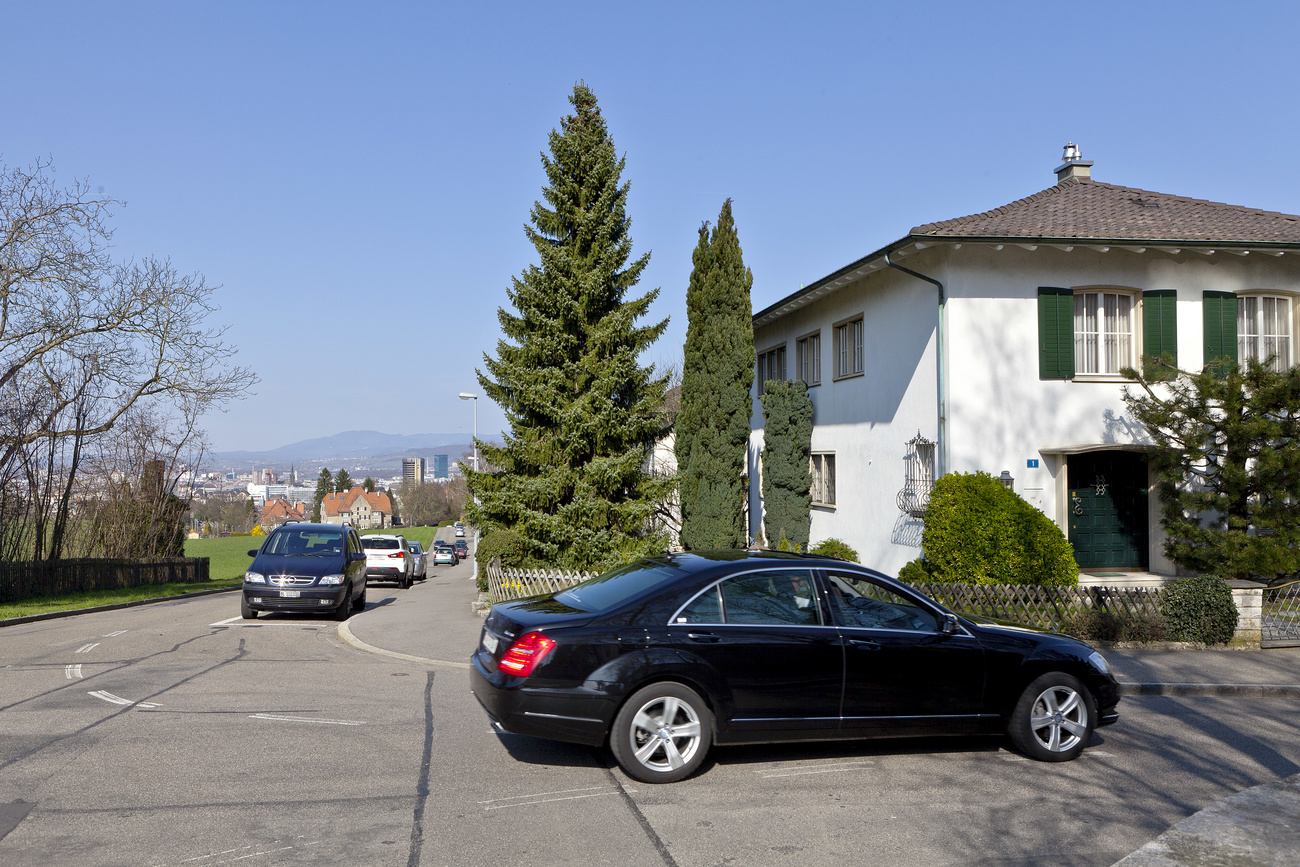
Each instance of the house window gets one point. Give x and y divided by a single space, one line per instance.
1103 332
809 351
771 365
848 348
822 465
1264 330
1160 332
918 481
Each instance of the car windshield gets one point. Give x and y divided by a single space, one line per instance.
304 543
617 585
372 542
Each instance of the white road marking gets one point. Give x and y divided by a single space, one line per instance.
306 719
105 695
1102 753
217 854
116 634
833 768
109 697
269 851
227 622
86 648
72 672
549 797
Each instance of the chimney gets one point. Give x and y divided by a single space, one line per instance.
1073 165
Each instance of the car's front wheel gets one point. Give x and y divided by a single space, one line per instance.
246 610
662 733
1054 718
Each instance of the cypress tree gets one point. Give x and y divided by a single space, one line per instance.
324 486
787 448
712 428
583 414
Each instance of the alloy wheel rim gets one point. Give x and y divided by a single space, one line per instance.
665 734
1059 719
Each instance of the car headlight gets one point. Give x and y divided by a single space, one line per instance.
332 579
1097 661
254 578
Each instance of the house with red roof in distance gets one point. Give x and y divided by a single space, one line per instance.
358 508
277 510
994 342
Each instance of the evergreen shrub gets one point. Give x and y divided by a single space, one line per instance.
506 544
979 532
835 548
915 572
1199 608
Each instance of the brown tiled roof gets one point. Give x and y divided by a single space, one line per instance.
337 504
1086 209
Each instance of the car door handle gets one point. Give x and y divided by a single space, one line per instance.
864 644
706 637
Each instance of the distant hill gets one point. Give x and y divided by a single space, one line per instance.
351 445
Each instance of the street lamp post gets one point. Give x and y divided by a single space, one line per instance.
465 395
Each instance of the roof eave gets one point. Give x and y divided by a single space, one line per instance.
792 301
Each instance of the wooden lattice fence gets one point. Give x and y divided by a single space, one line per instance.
504 584
1044 607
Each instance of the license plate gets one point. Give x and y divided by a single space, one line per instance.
489 643
290 594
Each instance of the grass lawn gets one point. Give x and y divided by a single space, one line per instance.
228 560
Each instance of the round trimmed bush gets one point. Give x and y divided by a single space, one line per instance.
835 548
1199 608
979 532
506 544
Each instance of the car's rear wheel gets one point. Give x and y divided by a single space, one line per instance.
1054 718
662 733
404 582
245 609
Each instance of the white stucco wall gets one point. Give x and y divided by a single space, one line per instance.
1000 414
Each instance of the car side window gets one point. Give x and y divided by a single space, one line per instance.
705 608
861 602
778 597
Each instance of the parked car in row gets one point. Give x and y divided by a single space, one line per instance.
461 547
306 567
667 656
444 555
418 567
387 558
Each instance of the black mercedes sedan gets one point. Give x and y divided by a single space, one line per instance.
666 656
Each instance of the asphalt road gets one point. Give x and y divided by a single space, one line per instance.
178 734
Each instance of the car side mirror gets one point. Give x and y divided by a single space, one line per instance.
950 625
252 553
357 555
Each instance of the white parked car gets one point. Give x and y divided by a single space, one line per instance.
388 558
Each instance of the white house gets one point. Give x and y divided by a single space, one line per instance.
994 342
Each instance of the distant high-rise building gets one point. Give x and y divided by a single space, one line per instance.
440 466
413 471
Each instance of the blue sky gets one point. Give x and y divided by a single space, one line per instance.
356 177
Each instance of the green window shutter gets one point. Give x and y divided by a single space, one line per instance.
1160 330
1055 333
1220 311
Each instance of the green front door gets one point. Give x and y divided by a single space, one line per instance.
1108 509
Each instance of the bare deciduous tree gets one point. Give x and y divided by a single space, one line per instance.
84 341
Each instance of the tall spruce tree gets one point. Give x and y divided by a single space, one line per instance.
583 414
343 482
787 447
324 486
712 428
1227 466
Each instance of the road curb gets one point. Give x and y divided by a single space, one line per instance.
345 635
73 612
1231 690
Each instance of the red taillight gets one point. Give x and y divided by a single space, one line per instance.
398 555
524 655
